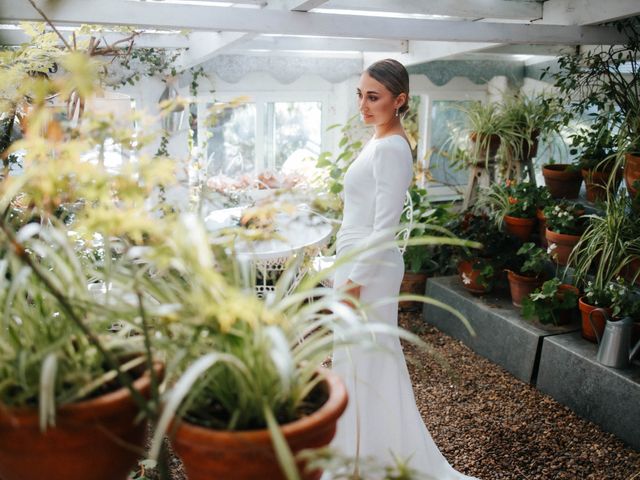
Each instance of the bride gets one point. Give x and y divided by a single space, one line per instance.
382 419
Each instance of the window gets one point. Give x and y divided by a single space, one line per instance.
267 134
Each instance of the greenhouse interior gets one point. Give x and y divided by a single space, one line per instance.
319 239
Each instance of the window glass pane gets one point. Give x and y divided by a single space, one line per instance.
297 131
231 146
445 114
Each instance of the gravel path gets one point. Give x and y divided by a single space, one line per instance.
493 426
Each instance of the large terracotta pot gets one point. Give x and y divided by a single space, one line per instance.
486 149
631 173
470 277
414 283
561 181
248 455
561 245
542 227
597 322
97 439
597 186
521 286
631 272
519 227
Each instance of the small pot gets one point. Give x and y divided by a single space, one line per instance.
631 173
521 286
597 181
564 245
97 439
248 455
542 227
561 181
414 283
470 277
519 227
489 149
597 321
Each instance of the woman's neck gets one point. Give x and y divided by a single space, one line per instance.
390 128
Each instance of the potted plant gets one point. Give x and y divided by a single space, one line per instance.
553 303
480 270
527 272
599 78
562 179
543 201
615 298
419 259
610 245
565 225
514 205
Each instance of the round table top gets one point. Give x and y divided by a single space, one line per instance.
295 231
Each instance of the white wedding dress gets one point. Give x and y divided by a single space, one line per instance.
382 416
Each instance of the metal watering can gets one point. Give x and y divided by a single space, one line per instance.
615 345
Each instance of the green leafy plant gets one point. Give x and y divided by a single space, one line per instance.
617 295
609 244
565 217
547 302
513 199
531 260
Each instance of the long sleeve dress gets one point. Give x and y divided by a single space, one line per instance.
382 416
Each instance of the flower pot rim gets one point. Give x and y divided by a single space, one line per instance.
329 411
520 219
582 302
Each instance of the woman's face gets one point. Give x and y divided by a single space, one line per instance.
377 104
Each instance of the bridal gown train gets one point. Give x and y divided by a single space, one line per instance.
382 416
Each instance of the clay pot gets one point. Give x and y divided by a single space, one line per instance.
519 227
249 455
561 181
414 283
597 184
98 439
564 245
598 321
521 286
631 173
542 227
470 277
487 150
631 271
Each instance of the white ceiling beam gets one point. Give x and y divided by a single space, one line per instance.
303 5
265 42
205 45
197 17
12 37
420 52
503 9
535 50
588 12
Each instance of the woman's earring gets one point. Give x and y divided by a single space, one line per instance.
397 111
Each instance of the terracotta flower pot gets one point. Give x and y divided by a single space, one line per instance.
519 227
414 283
631 173
597 321
97 439
561 245
597 184
561 181
542 227
470 277
248 455
486 150
521 286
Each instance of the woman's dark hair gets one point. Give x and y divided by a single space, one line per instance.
393 76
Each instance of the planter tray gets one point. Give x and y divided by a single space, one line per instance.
606 396
502 335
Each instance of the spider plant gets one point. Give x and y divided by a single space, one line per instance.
608 245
